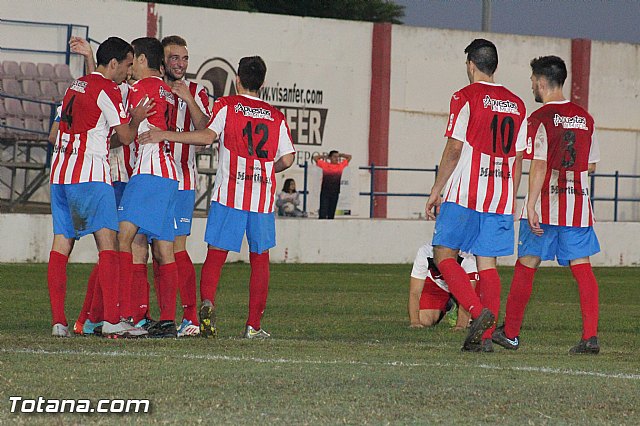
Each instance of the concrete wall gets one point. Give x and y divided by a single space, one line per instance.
27 238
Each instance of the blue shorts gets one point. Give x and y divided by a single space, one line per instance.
564 243
118 189
483 234
80 209
185 203
226 227
149 203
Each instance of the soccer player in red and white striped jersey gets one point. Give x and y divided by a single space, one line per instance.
255 144
479 173
82 198
557 220
192 114
148 202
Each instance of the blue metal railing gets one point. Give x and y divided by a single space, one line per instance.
69 27
616 199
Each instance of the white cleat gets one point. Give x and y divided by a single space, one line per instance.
187 329
60 330
122 329
252 333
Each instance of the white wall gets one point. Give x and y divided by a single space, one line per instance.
27 238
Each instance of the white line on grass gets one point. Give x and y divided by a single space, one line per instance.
543 370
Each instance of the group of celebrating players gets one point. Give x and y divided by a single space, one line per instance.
489 135
124 170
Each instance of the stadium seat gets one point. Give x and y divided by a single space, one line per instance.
11 87
29 70
32 109
16 123
35 127
49 91
62 89
45 71
10 69
46 112
13 107
3 112
31 89
62 73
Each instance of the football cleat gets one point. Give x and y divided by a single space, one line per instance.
188 329
478 326
90 327
589 346
164 329
60 330
145 323
77 328
252 333
500 338
485 346
452 312
121 329
207 317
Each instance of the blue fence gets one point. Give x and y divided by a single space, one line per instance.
615 198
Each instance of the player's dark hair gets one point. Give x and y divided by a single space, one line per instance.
152 50
484 54
173 39
112 48
551 67
251 71
333 151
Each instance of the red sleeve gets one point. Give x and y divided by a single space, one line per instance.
204 98
455 106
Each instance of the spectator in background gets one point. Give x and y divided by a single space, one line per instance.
332 165
289 200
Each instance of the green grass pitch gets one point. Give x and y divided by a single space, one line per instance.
341 353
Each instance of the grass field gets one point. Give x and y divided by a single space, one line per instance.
341 353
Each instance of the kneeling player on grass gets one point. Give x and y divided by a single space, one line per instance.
255 144
429 297
557 220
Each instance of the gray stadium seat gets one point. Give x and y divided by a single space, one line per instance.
10 69
15 122
45 71
49 91
29 71
31 89
35 125
32 109
62 88
11 87
62 73
46 112
13 107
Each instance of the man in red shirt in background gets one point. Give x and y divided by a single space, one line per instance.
332 165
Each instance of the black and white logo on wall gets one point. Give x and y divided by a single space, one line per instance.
302 106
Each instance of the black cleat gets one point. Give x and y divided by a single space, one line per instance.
588 346
478 327
163 329
207 316
499 338
485 346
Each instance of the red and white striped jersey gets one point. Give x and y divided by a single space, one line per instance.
185 155
155 159
562 134
490 122
90 108
122 158
253 135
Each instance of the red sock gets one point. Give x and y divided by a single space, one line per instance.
97 304
258 287
140 294
490 295
156 281
168 287
588 289
109 277
519 294
187 286
460 286
57 283
88 298
210 274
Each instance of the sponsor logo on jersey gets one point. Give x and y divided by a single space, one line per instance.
79 86
499 105
247 111
167 95
575 122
